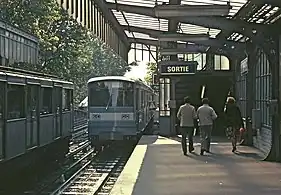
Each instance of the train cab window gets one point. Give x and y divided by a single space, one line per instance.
66 99
111 94
125 95
16 101
46 102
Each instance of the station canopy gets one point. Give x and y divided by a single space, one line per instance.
222 28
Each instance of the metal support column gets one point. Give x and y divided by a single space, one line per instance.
250 86
272 49
172 28
274 59
279 99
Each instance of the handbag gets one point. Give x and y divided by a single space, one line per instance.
229 132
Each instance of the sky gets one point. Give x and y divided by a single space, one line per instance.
140 70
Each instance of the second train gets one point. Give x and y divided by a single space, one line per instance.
119 109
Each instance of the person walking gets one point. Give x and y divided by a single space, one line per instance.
206 115
234 121
186 115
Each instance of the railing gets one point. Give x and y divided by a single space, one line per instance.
80 114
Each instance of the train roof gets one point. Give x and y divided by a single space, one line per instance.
26 72
118 78
9 71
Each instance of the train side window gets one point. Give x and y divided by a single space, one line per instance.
142 98
2 103
16 101
66 99
46 100
32 100
137 98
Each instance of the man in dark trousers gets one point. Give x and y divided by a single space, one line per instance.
186 115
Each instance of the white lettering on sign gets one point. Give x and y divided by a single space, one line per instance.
178 69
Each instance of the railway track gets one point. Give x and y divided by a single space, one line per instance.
98 175
79 152
74 161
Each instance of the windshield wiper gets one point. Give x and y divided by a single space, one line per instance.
109 99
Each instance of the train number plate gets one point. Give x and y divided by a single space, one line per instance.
95 116
125 116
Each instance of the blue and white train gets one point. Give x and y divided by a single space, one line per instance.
119 109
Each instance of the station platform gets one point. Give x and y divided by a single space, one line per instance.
158 167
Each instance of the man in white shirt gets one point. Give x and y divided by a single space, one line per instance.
186 114
206 115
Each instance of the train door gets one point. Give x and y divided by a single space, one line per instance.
32 115
2 126
137 89
58 111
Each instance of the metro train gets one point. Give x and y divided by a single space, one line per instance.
36 119
119 109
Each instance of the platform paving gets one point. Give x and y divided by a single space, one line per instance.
158 167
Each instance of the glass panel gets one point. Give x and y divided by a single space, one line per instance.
164 96
66 99
46 100
2 103
224 63
32 99
111 94
263 88
217 62
16 101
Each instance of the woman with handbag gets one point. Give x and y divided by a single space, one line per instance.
234 122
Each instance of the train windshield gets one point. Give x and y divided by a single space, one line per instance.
111 94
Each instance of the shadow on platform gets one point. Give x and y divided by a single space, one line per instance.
166 171
149 140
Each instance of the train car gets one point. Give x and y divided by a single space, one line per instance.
119 109
36 119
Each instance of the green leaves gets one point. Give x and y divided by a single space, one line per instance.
151 69
66 48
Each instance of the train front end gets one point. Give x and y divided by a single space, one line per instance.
111 111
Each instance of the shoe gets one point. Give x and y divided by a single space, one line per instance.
234 149
208 151
191 150
202 152
185 153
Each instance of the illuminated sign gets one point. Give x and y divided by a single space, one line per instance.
179 68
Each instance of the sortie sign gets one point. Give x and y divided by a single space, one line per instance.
178 68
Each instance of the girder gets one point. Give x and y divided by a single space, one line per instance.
103 6
181 47
276 3
211 42
170 10
189 49
217 22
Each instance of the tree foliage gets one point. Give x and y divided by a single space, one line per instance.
151 69
67 49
